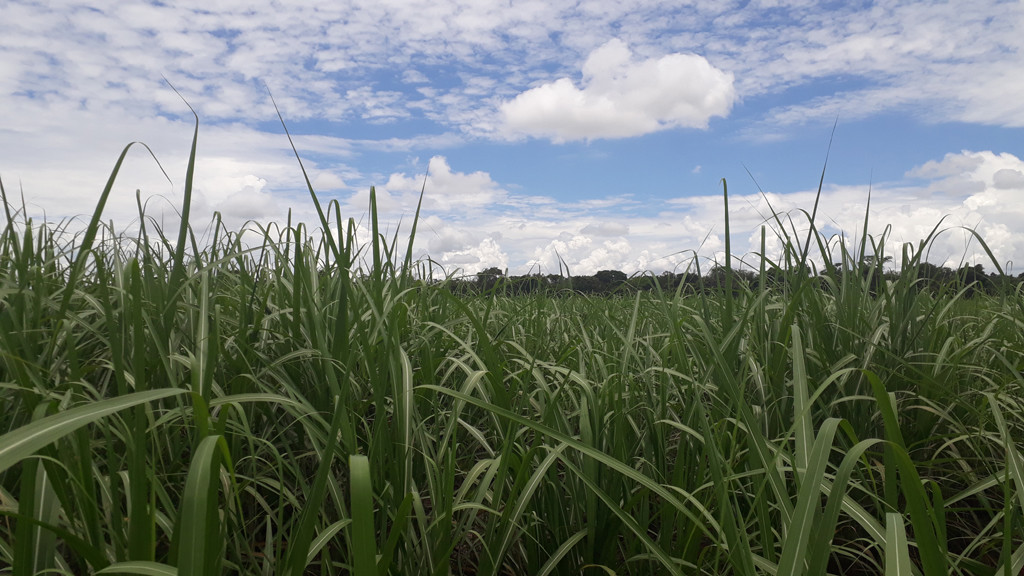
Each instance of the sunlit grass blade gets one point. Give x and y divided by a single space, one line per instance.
513 515
817 199
324 538
807 513
327 237
184 230
35 546
84 249
838 497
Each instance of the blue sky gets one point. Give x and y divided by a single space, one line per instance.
595 132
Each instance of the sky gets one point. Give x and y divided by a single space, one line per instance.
585 135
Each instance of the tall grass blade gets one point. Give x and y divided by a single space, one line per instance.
364 532
817 198
199 537
184 230
326 227
933 557
897 547
801 407
807 513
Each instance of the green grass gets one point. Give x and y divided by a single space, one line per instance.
308 406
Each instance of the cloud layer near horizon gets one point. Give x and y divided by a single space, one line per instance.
968 190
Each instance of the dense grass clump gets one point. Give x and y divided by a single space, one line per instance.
304 407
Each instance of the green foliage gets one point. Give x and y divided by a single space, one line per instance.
312 406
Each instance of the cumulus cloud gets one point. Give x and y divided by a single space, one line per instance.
1008 179
249 202
584 254
447 190
413 76
621 97
472 259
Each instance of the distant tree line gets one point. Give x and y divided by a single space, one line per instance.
925 277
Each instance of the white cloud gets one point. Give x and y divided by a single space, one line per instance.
241 172
446 190
606 229
582 255
952 165
934 61
412 76
247 202
486 254
1008 179
621 98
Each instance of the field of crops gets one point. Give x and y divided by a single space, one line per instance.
285 405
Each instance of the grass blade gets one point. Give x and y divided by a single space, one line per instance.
364 533
897 548
140 568
198 538
24 441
